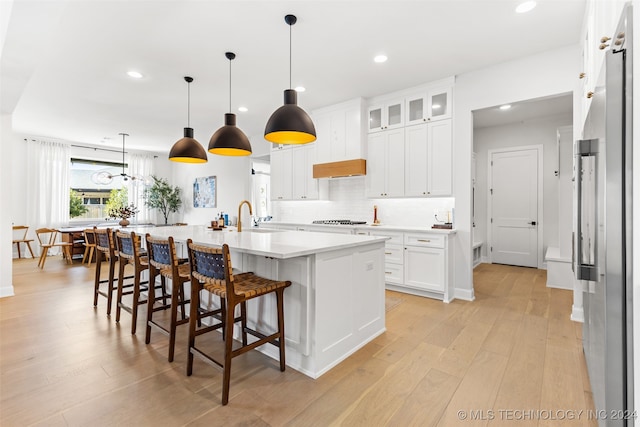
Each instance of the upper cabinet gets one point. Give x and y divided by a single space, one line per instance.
428 159
339 129
428 106
388 115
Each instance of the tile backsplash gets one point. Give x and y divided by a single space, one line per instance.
347 201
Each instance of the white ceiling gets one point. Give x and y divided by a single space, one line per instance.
64 63
523 111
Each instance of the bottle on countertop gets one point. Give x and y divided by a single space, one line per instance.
220 220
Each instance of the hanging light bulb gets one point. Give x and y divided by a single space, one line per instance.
290 124
187 149
229 140
105 177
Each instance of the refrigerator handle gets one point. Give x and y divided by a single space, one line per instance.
583 271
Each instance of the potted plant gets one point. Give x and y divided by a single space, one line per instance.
163 197
117 207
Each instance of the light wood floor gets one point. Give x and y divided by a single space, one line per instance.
64 363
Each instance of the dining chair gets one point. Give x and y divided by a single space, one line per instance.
164 262
211 271
20 236
89 245
47 239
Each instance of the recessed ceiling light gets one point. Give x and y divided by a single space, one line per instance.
134 74
243 109
525 6
505 106
300 89
436 106
380 59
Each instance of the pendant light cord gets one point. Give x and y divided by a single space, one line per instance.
229 85
188 104
290 87
123 154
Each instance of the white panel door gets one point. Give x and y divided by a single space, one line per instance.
514 207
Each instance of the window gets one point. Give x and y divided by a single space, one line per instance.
94 196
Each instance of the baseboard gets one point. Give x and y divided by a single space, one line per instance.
577 314
464 294
6 291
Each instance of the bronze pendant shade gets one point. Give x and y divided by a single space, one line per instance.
290 124
229 140
187 149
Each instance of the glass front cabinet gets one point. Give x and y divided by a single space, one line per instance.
386 116
428 106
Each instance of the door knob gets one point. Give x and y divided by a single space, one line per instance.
532 223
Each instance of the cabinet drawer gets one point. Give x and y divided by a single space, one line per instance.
428 240
394 273
393 254
396 238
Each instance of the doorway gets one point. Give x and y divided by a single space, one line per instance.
515 206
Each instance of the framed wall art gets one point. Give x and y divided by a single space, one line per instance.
204 192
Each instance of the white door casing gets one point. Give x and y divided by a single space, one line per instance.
515 206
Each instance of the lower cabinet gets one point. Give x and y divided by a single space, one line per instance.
424 268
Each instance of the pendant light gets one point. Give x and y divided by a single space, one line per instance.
290 124
187 149
105 177
229 140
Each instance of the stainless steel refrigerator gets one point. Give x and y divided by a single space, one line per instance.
602 246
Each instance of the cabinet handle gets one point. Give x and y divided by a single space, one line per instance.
605 39
362 234
387 272
387 253
424 240
603 46
582 75
589 94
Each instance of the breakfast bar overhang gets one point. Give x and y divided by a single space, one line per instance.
335 304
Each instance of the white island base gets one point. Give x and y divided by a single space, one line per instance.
334 306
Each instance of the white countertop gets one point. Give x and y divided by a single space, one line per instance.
368 227
273 243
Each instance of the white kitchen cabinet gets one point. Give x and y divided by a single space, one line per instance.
428 159
281 175
424 268
428 265
385 164
339 131
393 256
427 106
304 186
385 116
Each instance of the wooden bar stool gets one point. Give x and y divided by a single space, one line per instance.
20 236
130 253
211 270
164 261
105 250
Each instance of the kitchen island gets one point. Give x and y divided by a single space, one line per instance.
335 304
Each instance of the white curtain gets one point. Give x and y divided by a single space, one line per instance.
47 195
140 165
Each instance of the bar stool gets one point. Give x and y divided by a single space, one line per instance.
211 270
163 261
105 250
130 253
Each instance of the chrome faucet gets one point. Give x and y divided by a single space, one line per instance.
240 212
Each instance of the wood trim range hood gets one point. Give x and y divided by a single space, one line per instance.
354 167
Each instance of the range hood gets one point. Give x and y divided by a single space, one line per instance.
354 167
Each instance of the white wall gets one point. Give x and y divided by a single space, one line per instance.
347 201
7 141
233 186
565 193
549 73
538 131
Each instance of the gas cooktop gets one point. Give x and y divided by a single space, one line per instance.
338 222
